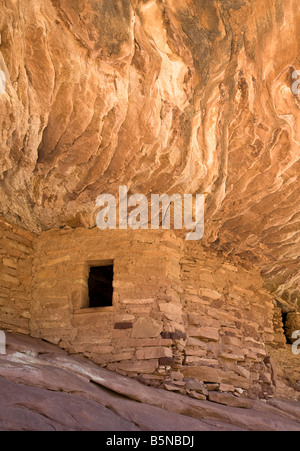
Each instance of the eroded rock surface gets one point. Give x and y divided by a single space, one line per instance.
164 97
44 388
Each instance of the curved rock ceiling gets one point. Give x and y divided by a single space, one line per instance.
164 96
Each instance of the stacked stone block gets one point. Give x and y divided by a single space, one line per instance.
16 247
184 318
228 322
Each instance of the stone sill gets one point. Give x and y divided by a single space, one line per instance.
97 310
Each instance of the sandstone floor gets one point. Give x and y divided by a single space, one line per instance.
45 389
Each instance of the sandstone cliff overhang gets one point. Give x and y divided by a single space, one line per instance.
164 97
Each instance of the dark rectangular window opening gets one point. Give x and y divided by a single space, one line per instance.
101 286
284 324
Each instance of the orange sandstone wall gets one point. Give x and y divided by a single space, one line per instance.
180 313
130 337
184 318
229 320
16 246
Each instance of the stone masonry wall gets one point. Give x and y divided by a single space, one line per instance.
15 277
281 351
184 318
228 322
133 336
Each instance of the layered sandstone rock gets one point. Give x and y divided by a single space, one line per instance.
183 318
173 96
43 388
163 97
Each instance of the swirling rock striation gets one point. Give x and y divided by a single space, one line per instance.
166 96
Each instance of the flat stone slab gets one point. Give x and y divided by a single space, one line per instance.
44 388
